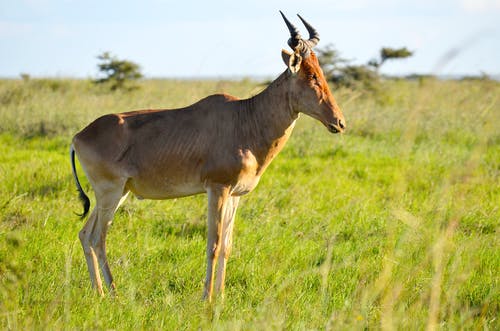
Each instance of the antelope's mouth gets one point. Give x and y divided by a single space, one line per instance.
334 128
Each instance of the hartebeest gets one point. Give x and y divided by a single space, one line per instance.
220 145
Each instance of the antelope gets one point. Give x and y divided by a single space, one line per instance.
220 145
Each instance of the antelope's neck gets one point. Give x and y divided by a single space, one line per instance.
270 120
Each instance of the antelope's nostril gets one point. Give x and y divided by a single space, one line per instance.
342 124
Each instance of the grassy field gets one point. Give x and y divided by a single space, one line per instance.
393 225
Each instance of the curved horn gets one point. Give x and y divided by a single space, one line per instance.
294 33
313 34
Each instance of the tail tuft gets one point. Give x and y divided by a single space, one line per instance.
86 204
83 197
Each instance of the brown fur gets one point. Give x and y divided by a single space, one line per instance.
220 145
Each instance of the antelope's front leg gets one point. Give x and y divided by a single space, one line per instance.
226 242
217 201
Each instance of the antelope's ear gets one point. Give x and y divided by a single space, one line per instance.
292 60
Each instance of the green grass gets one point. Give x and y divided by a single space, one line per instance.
393 225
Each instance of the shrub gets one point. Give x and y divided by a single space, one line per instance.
117 73
340 72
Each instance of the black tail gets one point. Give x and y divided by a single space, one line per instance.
83 197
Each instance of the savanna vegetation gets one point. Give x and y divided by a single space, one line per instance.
392 225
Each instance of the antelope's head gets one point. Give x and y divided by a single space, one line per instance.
310 93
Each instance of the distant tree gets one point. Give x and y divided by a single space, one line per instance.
117 73
25 77
356 76
340 72
387 53
330 60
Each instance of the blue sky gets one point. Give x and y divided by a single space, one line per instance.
222 38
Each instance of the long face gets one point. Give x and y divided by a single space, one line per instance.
312 95
309 91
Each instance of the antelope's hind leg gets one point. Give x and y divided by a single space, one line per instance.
90 255
93 234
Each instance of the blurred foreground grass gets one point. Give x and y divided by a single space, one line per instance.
394 225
